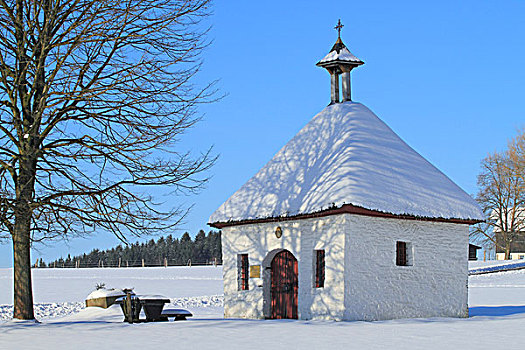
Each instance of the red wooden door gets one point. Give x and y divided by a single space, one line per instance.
284 285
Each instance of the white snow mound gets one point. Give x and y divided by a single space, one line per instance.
347 155
104 293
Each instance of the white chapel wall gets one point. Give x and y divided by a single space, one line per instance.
301 238
364 283
435 285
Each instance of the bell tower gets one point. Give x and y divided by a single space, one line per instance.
339 62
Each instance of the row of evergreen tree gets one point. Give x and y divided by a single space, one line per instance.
165 251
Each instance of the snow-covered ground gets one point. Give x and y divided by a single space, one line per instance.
75 284
60 292
497 308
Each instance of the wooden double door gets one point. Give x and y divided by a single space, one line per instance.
284 289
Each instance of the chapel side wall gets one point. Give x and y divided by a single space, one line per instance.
300 237
434 286
325 303
239 304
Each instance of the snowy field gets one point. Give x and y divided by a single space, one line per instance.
497 309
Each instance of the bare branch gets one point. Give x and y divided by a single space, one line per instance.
502 197
94 96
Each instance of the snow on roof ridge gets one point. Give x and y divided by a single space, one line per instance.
342 55
347 155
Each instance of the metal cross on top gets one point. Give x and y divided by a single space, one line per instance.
338 27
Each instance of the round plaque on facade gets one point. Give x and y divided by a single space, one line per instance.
278 232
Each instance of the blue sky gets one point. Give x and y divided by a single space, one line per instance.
448 77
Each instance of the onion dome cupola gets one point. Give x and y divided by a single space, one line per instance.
339 62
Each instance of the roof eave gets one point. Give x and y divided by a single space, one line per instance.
345 209
336 62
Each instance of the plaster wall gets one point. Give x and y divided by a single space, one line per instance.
301 238
434 286
363 284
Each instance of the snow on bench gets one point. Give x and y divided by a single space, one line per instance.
179 314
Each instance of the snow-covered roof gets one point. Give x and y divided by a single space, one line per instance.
342 55
339 54
347 155
515 220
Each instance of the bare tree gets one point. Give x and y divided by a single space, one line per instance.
502 197
93 96
517 154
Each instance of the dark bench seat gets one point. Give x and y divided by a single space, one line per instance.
178 314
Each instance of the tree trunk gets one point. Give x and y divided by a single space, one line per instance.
23 292
507 250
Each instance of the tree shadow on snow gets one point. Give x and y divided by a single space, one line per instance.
9 326
496 310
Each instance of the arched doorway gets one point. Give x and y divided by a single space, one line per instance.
284 285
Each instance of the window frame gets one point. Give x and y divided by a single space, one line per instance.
404 253
243 272
401 253
320 268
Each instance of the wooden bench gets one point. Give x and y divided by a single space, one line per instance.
178 314
153 306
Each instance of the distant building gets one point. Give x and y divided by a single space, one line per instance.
473 252
346 222
517 248
515 222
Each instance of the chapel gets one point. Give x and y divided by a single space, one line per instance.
346 222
